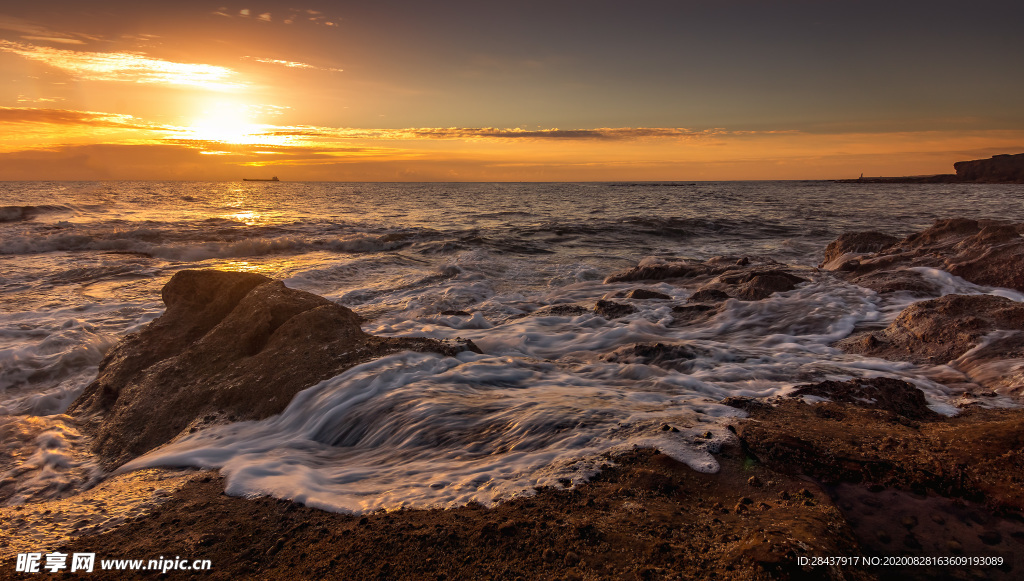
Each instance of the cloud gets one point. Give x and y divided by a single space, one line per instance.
292 64
33 31
130 67
25 99
57 39
69 117
36 31
514 133
265 17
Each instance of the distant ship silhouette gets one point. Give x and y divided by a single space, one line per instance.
273 179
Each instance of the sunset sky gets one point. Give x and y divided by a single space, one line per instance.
531 91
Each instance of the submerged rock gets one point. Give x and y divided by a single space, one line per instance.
720 277
568 310
646 294
642 272
750 285
230 346
709 295
612 310
678 356
693 314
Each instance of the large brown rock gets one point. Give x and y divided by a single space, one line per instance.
231 346
985 252
857 243
979 337
943 329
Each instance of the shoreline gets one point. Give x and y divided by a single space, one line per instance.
835 468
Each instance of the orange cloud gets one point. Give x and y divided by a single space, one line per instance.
501 134
33 31
292 64
127 67
67 117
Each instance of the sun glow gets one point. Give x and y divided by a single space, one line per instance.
225 122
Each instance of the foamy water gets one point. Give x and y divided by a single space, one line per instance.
81 264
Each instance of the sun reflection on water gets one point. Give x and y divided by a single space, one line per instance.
271 268
249 218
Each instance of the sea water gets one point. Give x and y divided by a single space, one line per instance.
82 264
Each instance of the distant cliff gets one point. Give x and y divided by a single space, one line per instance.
997 169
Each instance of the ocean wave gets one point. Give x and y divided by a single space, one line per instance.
24 213
422 430
44 356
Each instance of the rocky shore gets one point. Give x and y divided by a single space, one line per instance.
998 169
856 468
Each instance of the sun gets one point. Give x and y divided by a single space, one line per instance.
225 122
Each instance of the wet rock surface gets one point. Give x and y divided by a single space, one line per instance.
649 517
751 284
889 440
857 243
880 393
908 481
646 294
944 329
979 336
230 347
985 252
718 278
570 310
668 356
613 310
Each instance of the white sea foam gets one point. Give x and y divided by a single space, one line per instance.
950 284
423 430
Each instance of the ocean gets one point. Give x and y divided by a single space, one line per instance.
82 264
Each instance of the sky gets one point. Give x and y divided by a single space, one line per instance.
527 91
